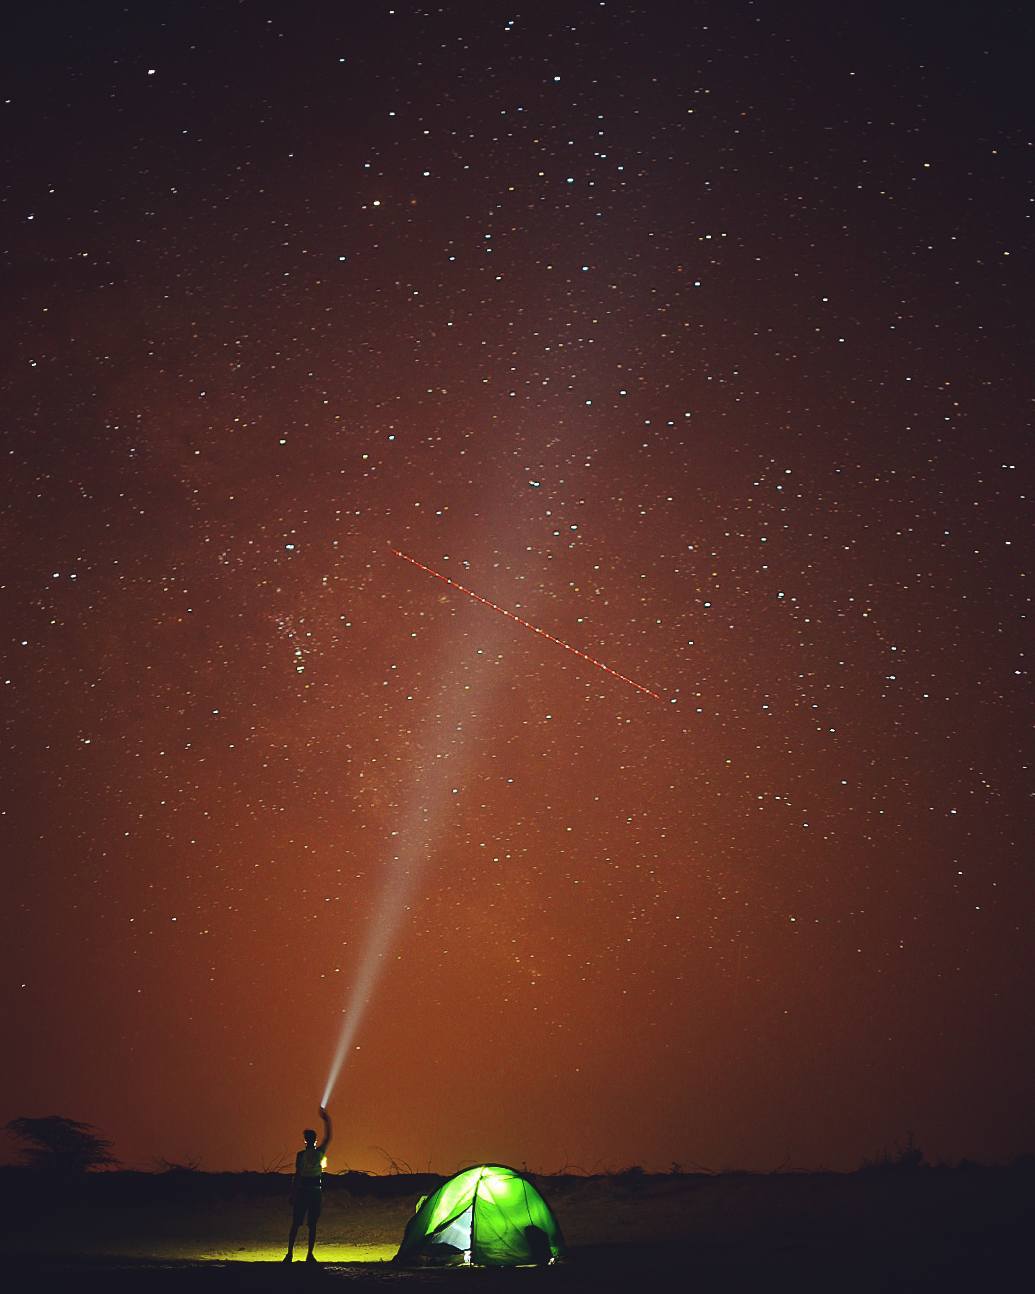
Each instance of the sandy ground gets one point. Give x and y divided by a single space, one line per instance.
924 1230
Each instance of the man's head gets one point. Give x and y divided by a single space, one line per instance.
310 1137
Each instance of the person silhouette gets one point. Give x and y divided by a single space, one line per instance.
307 1186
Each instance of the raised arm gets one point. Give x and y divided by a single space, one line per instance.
327 1132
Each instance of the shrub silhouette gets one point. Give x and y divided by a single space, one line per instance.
906 1159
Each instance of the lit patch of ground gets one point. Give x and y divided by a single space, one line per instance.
329 1253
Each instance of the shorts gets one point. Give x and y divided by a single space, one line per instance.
307 1206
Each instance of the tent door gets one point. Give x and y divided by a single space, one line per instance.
458 1233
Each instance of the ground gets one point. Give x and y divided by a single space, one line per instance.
894 1230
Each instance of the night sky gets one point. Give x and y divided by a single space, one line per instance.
697 336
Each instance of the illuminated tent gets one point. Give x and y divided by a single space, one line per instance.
488 1215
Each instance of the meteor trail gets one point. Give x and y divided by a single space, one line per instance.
527 624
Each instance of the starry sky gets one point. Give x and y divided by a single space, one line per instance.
696 336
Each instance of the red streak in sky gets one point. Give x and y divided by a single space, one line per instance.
534 628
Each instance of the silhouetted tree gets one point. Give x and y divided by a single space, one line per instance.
62 1147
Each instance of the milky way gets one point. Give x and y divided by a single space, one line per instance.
700 339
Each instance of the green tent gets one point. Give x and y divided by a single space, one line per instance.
488 1215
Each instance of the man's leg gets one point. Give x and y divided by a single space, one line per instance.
314 1217
296 1221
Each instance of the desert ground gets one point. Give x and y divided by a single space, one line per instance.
892 1230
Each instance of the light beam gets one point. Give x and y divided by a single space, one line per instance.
435 767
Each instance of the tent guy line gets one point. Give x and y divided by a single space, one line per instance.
477 597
